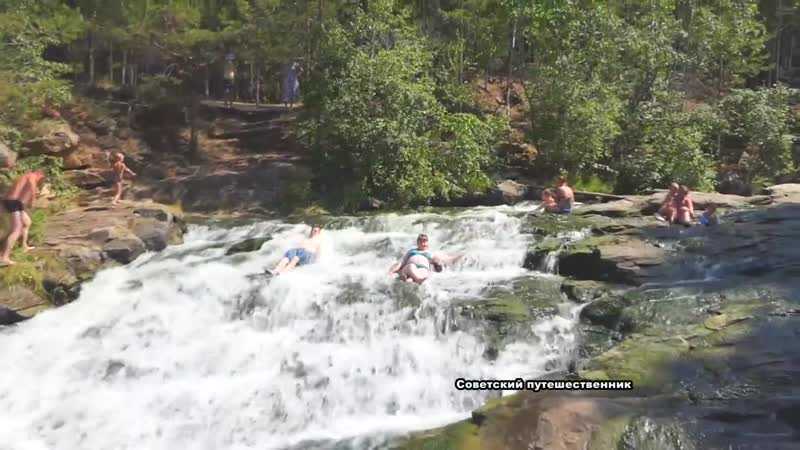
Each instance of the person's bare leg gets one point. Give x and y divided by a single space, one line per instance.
683 217
281 265
292 264
26 227
117 193
11 239
416 274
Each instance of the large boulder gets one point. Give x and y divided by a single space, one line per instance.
155 234
629 206
248 245
9 316
18 297
124 250
103 235
54 139
8 158
86 156
88 178
82 260
784 193
702 199
103 126
618 259
509 192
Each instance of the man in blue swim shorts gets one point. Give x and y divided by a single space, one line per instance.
306 253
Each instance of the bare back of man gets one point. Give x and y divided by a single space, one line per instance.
21 195
565 196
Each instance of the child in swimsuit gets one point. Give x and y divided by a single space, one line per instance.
118 175
709 217
549 201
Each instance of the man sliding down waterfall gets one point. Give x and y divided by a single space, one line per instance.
307 253
416 263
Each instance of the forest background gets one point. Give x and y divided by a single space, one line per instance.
620 96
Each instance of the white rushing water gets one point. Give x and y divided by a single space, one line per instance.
182 350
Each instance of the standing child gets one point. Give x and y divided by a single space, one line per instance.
118 176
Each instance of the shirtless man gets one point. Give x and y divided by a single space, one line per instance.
417 263
307 253
22 193
564 196
118 177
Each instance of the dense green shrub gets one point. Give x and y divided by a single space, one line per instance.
674 145
756 131
374 123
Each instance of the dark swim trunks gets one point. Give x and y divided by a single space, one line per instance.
13 206
305 257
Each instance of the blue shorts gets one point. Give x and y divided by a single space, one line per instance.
304 255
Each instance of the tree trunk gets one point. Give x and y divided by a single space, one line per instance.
207 83
252 87
193 124
124 67
258 88
111 62
510 61
91 58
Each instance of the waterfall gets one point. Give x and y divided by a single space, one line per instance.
549 263
183 349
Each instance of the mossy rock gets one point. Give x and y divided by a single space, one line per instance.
584 291
247 245
554 224
458 436
609 434
525 299
642 359
608 312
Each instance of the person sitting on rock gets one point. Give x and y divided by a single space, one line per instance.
685 206
669 207
307 252
418 263
549 201
709 217
564 196
22 193
118 175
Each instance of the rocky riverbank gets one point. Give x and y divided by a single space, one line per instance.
703 321
74 243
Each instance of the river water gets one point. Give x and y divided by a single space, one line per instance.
183 349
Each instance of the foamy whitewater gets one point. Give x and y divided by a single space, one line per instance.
182 350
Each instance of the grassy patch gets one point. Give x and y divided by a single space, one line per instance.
24 273
593 184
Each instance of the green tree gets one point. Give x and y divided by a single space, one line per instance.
373 120
27 80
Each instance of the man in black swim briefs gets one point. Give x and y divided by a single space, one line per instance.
23 192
